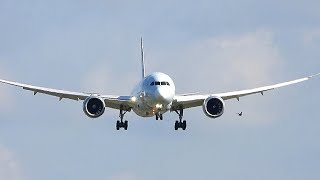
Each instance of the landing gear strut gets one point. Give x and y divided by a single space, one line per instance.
121 124
180 124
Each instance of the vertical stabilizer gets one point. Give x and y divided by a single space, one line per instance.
142 60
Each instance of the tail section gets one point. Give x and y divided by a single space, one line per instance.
142 60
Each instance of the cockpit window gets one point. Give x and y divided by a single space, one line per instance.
157 83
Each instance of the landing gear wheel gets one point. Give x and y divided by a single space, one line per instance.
159 116
176 126
125 125
184 125
118 125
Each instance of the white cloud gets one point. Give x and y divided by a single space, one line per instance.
108 80
233 61
98 80
250 58
9 167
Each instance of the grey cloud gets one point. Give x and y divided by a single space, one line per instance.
312 37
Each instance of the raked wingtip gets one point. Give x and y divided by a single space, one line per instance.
312 76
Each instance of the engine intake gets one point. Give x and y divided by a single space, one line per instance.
213 106
93 107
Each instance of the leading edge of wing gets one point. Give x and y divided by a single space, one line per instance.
238 94
194 100
53 92
111 100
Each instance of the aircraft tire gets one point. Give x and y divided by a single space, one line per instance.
184 125
125 125
118 125
176 126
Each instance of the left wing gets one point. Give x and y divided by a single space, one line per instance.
188 101
110 100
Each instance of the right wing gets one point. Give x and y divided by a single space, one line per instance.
189 101
111 101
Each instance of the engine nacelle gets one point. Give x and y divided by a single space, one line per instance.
93 107
213 106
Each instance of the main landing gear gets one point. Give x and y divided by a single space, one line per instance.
180 124
121 123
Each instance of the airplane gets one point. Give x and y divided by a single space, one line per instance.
153 96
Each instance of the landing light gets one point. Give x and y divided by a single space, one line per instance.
133 99
159 106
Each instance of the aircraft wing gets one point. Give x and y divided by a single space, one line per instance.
189 101
111 101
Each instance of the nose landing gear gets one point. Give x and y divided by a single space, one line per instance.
159 116
121 124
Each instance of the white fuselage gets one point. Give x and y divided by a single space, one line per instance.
153 95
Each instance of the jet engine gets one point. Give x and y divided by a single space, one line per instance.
93 107
213 106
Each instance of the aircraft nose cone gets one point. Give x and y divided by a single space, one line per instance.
163 95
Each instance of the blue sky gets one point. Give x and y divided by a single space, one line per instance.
205 46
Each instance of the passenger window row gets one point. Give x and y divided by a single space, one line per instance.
157 83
